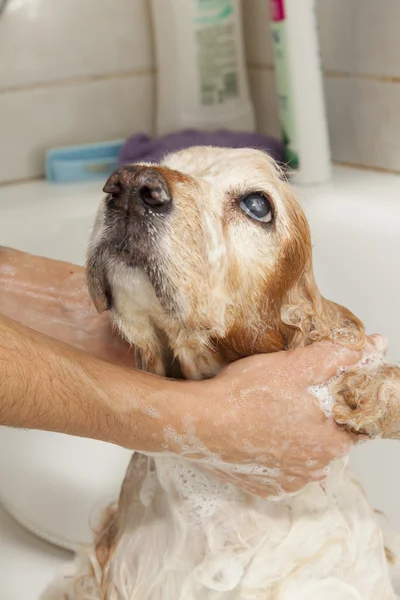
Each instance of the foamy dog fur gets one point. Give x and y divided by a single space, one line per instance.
207 285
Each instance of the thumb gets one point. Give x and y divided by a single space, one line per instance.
326 358
376 344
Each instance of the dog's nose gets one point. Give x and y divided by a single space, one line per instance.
137 185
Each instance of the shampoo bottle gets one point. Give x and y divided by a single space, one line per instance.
300 89
201 80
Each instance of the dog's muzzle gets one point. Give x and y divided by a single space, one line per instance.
129 230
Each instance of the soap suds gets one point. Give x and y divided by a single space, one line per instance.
322 392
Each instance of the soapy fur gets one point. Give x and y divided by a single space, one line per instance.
212 287
325 392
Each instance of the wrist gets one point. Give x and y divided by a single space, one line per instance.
152 413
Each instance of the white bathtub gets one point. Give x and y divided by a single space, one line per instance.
355 222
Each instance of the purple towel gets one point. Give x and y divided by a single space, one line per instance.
141 147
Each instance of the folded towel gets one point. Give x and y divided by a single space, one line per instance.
141 147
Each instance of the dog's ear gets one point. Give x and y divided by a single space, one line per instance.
308 317
98 284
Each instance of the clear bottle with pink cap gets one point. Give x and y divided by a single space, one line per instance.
300 89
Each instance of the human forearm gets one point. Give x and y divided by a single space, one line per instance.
261 414
51 297
47 385
34 288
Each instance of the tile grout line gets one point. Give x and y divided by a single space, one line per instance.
334 74
143 72
352 165
343 75
261 66
74 80
21 181
338 163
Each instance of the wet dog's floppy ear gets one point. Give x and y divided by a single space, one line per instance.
98 284
308 317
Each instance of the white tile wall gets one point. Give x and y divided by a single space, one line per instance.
265 98
256 24
360 36
51 40
73 71
360 47
356 36
364 121
257 34
88 111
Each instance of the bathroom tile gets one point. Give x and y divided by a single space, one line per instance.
257 34
51 40
360 36
264 94
38 119
364 124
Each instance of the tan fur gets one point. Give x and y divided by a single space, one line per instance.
368 402
238 289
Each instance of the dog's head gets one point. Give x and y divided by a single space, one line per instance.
206 258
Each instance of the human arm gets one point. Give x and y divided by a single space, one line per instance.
256 412
51 297
46 384
237 420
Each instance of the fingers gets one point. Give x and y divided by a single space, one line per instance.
376 344
288 483
327 358
252 484
342 442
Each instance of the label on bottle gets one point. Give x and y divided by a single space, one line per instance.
216 52
284 82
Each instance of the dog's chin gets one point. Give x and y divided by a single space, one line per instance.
139 315
138 289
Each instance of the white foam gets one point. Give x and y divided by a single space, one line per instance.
322 392
324 397
151 412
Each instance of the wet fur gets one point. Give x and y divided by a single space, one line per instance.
208 287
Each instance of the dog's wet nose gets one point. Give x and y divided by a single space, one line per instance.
133 185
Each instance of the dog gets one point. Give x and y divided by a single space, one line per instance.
203 260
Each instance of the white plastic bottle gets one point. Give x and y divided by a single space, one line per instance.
300 89
201 80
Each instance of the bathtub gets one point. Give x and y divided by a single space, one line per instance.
355 224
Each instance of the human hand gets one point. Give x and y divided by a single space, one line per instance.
262 428
51 297
257 423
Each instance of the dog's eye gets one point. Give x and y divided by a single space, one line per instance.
257 206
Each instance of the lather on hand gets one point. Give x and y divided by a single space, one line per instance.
256 418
